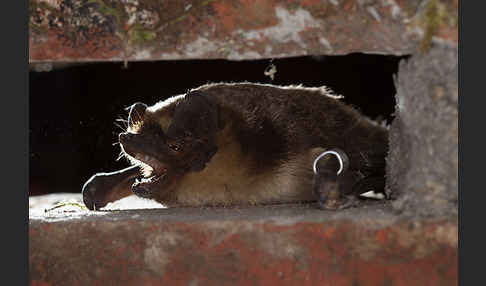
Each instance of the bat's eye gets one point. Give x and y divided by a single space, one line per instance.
175 147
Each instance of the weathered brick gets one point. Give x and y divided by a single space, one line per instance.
271 245
108 30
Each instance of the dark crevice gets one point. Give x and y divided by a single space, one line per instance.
73 110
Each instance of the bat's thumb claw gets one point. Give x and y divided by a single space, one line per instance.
89 194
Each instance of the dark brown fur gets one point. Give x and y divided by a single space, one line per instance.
224 144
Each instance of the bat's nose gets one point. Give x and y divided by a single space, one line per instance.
131 142
123 138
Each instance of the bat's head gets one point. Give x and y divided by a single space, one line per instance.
170 141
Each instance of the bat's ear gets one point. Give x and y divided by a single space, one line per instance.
136 113
211 106
197 113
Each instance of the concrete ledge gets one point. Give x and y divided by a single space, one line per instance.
280 244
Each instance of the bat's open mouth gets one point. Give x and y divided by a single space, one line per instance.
157 172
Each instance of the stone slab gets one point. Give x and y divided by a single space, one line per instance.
262 245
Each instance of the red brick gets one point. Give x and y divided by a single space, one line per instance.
238 29
271 245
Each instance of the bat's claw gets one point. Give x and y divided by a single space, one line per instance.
327 183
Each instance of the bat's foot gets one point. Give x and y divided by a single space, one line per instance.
329 192
339 204
328 184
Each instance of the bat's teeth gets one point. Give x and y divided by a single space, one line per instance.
149 161
148 180
153 165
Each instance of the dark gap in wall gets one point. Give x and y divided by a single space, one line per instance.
73 110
